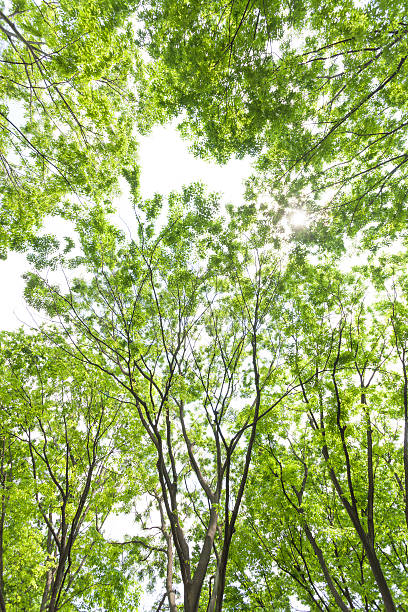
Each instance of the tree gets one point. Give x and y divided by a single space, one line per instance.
60 480
214 376
325 512
185 320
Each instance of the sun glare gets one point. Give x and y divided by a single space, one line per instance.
299 218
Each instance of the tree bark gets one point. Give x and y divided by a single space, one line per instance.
50 572
317 551
372 558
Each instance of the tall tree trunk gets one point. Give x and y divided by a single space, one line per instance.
50 572
170 564
405 436
57 583
4 498
192 590
369 549
318 552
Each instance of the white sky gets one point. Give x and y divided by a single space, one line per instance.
166 165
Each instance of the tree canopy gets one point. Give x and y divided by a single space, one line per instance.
317 90
66 109
210 412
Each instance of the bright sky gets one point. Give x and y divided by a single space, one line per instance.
166 165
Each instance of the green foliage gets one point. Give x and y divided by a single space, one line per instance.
60 481
217 379
66 112
317 90
347 422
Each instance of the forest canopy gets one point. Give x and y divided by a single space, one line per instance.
227 388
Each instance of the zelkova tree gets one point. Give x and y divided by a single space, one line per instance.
186 320
335 484
60 478
67 109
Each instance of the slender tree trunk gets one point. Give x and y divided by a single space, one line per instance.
4 478
2 596
169 574
221 582
48 584
192 590
369 549
370 470
230 526
376 568
352 507
213 600
2 600
405 436
317 551
50 573
57 583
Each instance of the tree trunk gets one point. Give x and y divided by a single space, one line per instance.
50 572
169 574
372 558
317 551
